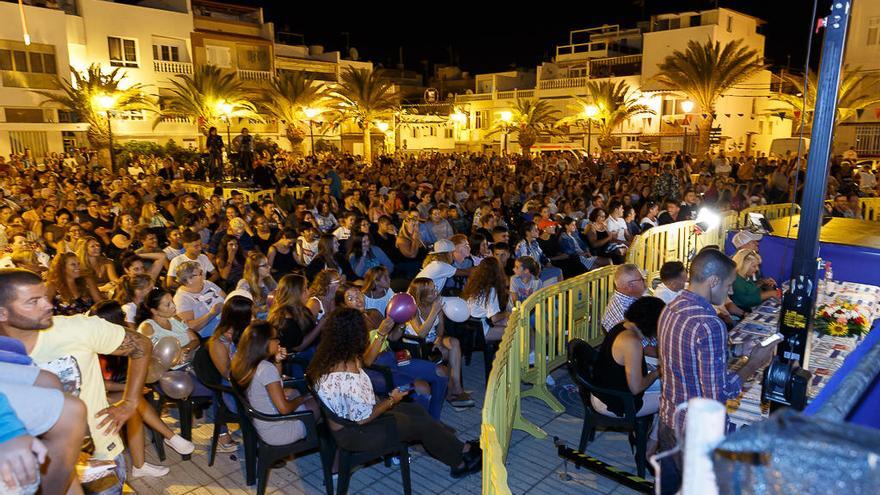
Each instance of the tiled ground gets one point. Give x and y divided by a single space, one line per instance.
533 466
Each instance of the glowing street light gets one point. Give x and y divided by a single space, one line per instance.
382 126
311 113
105 103
591 110
506 116
687 106
225 109
458 117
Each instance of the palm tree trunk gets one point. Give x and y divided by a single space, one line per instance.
368 151
703 141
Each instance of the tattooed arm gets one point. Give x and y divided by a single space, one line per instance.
138 349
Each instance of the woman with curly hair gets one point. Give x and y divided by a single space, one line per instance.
70 291
93 263
336 373
487 297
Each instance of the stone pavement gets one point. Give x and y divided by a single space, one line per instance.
533 466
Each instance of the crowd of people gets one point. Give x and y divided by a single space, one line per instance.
99 266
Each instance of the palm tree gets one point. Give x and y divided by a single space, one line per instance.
288 97
704 71
613 105
363 97
208 97
858 90
83 96
529 119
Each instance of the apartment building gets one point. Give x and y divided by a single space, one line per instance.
862 54
615 53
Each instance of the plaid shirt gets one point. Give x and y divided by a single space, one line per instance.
693 346
617 306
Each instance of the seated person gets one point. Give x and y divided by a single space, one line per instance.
38 423
198 301
673 280
337 375
524 281
620 364
746 293
256 369
487 298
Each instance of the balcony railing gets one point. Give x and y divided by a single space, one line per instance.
476 97
500 95
169 67
176 119
254 75
562 83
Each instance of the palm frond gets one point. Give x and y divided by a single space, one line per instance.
362 96
200 96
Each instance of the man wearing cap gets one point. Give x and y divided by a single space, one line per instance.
745 239
438 265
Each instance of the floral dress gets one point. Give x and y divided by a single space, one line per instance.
349 395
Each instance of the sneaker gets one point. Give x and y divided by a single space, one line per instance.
148 469
180 445
461 401
227 447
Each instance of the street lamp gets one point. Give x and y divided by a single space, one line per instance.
686 106
106 102
383 128
590 111
310 114
506 117
225 109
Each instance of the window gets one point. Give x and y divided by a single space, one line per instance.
123 52
415 132
448 133
432 131
478 120
26 61
166 52
760 127
874 31
696 20
129 115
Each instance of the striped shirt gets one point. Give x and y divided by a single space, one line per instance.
693 347
617 306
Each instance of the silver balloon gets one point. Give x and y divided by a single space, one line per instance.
155 370
176 384
167 351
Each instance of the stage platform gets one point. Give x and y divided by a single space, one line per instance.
853 246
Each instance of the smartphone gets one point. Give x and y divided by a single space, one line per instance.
776 337
405 388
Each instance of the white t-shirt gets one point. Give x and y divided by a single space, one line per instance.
342 233
70 349
665 293
437 271
616 228
485 308
200 304
203 260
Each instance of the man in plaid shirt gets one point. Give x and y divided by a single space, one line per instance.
629 285
693 349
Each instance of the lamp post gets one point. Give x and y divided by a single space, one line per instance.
686 106
310 114
226 110
106 103
590 111
383 128
506 117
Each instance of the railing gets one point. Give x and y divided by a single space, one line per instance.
563 83
563 311
206 190
169 67
770 212
870 209
500 95
176 120
254 75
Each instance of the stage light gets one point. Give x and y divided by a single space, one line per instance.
707 220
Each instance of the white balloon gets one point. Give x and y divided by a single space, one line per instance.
456 309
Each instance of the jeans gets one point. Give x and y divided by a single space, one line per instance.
417 369
670 467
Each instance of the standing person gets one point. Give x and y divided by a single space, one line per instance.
69 347
693 343
214 144
245 153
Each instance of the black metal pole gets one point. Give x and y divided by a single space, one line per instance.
798 305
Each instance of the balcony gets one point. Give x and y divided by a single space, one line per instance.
563 83
169 67
627 65
500 95
176 119
254 75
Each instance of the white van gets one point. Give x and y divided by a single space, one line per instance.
780 146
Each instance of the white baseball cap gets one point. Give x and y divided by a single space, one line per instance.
744 237
443 246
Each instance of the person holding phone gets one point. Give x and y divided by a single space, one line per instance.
336 374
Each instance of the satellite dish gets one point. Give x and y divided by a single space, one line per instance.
353 53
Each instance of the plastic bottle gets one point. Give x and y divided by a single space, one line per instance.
829 276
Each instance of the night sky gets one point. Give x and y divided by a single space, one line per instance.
500 35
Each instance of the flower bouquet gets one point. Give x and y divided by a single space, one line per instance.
842 319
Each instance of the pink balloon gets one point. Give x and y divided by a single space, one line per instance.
401 308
